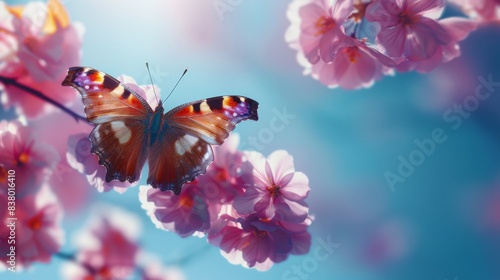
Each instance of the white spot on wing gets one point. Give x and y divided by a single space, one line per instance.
191 140
204 107
125 132
118 90
185 143
178 148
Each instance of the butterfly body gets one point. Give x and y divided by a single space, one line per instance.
128 132
156 123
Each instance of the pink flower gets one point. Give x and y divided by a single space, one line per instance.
354 66
316 26
227 176
484 10
30 159
107 248
70 186
458 29
42 45
257 242
345 61
278 192
409 27
38 234
184 214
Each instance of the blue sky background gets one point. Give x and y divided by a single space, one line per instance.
343 140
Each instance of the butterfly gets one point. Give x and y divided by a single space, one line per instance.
128 132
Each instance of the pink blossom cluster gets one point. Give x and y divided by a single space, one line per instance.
250 206
353 43
37 45
28 201
108 248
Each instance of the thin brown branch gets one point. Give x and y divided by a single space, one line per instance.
34 92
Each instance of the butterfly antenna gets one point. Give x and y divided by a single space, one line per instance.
184 73
151 78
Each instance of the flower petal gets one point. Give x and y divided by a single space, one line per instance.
424 38
281 164
428 8
297 188
393 40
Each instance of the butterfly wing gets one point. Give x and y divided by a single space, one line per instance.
120 116
214 118
183 149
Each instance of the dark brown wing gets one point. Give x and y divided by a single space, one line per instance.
177 158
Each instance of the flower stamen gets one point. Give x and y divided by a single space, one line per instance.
352 54
22 159
35 223
407 19
323 25
273 191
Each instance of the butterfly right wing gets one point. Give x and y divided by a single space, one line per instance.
189 129
120 116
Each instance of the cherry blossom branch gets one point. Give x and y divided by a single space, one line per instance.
15 83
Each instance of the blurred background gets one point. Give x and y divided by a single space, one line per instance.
441 222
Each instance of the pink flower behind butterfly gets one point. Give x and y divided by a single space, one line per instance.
227 176
107 247
184 214
409 27
32 160
42 44
484 10
38 231
279 191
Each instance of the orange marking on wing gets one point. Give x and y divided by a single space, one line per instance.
229 102
189 110
134 101
96 77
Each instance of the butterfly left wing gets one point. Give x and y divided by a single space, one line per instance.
120 117
183 149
